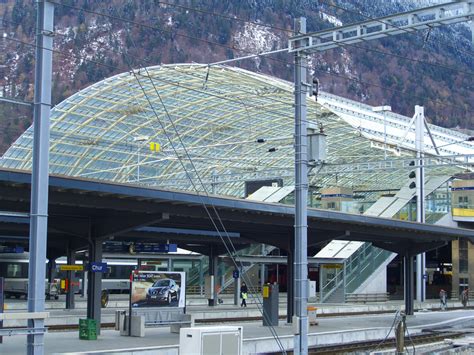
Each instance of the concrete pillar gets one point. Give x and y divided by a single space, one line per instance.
95 284
70 275
409 285
201 278
213 273
237 291
290 287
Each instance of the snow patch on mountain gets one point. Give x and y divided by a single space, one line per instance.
331 19
256 39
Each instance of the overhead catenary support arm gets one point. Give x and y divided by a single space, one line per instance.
407 22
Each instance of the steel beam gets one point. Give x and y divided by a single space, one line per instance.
410 21
420 196
40 173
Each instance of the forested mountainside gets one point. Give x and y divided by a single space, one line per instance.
96 39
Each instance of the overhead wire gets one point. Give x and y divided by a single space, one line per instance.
135 23
230 252
231 18
367 17
320 70
139 24
438 102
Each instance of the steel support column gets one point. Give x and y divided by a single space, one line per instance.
301 197
420 197
40 173
71 260
409 280
94 289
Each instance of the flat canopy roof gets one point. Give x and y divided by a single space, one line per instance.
81 209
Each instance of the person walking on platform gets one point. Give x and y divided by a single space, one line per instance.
465 297
443 299
244 294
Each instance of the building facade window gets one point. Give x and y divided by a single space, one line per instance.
463 202
463 256
463 284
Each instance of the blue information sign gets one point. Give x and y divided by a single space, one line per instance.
98 267
155 248
235 274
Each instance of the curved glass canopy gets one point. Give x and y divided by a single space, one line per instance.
191 127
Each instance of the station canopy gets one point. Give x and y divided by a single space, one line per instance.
218 126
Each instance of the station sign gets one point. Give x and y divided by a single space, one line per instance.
98 267
12 250
154 248
332 266
71 267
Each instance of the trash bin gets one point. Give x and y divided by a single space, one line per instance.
87 329
312 315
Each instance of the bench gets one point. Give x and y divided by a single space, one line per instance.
140 321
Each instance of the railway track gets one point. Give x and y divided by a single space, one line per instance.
419 339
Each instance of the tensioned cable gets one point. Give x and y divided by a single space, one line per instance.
273 331
139 24
438 102
232 18
200 196
291 31
341 76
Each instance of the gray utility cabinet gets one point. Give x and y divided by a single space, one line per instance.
221 340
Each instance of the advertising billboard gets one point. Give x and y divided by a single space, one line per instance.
158 289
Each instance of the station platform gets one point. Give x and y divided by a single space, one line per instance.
257 339
202 313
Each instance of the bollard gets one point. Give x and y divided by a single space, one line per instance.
312 315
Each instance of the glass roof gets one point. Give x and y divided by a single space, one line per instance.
208 122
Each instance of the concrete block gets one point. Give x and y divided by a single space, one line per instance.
138 326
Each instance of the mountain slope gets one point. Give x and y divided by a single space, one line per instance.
85 39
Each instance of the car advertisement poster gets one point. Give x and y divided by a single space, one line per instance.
158 289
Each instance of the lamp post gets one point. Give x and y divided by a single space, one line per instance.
138 140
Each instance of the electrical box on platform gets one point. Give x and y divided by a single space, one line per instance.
211 340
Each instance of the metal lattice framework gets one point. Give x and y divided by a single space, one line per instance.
219 114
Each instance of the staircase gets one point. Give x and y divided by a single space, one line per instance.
365 265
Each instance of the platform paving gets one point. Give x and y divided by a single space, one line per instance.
202 313
257 339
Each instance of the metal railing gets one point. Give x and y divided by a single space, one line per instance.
356 270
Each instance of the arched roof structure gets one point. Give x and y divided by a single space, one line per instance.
217 125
